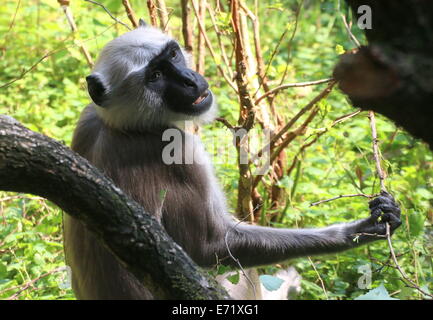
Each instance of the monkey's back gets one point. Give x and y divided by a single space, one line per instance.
174 194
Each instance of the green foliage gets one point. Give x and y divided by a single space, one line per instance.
50 98
31 248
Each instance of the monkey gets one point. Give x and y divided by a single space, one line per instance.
142 87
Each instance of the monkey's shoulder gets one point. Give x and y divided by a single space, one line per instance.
174 155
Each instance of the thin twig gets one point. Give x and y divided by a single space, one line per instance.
351 35
293 134
310 105
344 196
23 73
318 135
109 13
69 16
257 44
225 122
20 197
130 13
236 259
319 277
11 25
152 13
292 85
187 33
409 282
290 43
220 41
32 282
209 46
376 151
163 16
200 41
274 52
7 84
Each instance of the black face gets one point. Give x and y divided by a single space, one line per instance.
183 90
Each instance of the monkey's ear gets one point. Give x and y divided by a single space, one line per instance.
97 89
142 23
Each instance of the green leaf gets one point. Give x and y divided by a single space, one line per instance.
405 293
416 223
222 269
234 278
3 270
271 283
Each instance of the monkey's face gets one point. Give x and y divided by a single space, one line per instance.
142 79
182 89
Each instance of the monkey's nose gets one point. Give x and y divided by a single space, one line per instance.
189 80
189 83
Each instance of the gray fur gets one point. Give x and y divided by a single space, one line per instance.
124 139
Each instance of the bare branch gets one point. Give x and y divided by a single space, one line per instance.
220 42
26 71
130 13
152 13
345 196
236 259
292 85
292 135
407 280
212 52
200 41
109 13
31 283
310 105
187 27
11 25
376 155
320 278
351 35
7 84
163 16
317 136
68 13
225 122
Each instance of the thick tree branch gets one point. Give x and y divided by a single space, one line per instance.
392 76
33 163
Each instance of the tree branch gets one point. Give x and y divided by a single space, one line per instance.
33 163
130 13
392 76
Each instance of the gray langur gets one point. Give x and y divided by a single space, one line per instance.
141 86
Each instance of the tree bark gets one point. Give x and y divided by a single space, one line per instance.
393 75
33 163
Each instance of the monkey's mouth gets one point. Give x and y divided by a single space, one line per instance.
201 99
196 107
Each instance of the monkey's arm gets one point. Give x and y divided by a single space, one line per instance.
254 245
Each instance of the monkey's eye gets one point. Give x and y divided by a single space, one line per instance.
155 76
174 54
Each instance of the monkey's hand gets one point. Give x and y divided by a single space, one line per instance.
383 210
